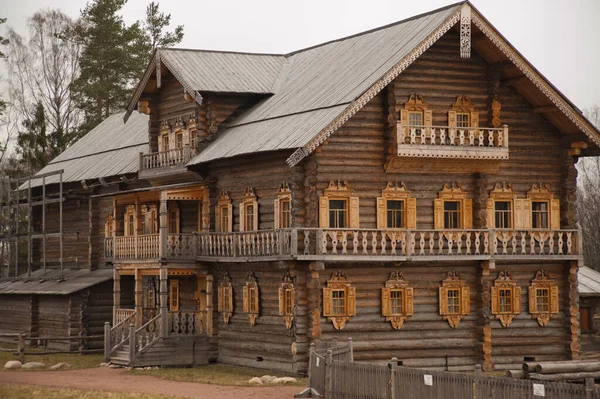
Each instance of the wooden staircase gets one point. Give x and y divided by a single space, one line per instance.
171 351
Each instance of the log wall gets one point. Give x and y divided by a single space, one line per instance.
16 314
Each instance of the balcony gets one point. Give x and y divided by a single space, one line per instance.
452 142
147 247
165 163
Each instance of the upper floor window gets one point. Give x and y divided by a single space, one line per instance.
543 298
339 300
503 214
415 115
109 226
179 139
173 218
501 207
338 208
249 211
283 208
462 113
149 219
165 142
455 299
462 120
395 208
539 214
452 209
223 213
545 209
130 220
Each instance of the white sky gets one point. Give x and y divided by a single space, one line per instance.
561 38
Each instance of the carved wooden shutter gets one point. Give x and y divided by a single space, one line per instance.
438 213
255 206
532 307
276 214
351 302
229 292
555 214
281 301
385 302
327 302
381 216
491 220
466 300
452 118
354 213
428 121
324 212
554 299
474 119
468 214
218 218
516 300
230 218
411 213
246 300
495 301
242 216
408 301
174 291
404 119
443 300
220 302
256 302
522 214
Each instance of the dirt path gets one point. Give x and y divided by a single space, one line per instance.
117 380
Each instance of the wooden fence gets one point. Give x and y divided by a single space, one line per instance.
42 342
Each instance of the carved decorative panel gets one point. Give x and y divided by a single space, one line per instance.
397 300
506 298
455 299
339 300
543 298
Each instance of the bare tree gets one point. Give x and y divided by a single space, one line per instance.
588 199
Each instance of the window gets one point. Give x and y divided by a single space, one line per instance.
396 300
192 131
251 306
179 140
455 299
283 208
109 226
585 319
545 209
225 298
287 299
249 211
223 210
339 300
543 298
462 120
414 115
130 218
149 222
165 142
539 214
415 118
395 214
174 295
463 114
395 208
338 208
173 219
503 214
504 210
452 209
506 298
193 139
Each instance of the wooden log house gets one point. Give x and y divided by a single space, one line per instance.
412 187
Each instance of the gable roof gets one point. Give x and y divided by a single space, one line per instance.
112 148
55 282
589 281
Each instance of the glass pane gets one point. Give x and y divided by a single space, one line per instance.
338 302
539 215
462 120
396 302
453 301
337 213
452 215
542 300
415 118
395 214
503 214
286 215
505 299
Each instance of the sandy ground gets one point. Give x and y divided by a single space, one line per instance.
118 380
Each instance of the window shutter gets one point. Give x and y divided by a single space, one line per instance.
256 215
324 212
243 216
230 218
327 302
516 300
218 218
408 301
256 303
276 224
220 299
246 303
532 307
495 301
351 303
466 300
491 220
474 119
381 216
522 214
468 214
438 213
281 301
452 118
428 121
230 295
411 213
443 300
404 117
385 302
174 300
555 214
554 299
354 213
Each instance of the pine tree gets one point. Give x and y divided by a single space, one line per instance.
155 24
33 145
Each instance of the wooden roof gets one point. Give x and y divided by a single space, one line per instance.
50 283
589 281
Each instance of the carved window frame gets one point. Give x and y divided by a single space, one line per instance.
463 105
225 298
283 196
543 282
339 283
109 226
395 191
224 209
173 217
249 202
179 134
287 299
541 193
453 193
507 283
416 104
174 295
163 137
503 192
339 191
454 282
149 213
192 131
251 298
397 283
129 226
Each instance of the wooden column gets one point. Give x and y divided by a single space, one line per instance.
138 298
568 200
209 305
314 304
138 224
480 201
164 297
206 210
571 309
484 328
116 293
162 250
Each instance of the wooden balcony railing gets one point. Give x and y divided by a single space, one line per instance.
181 246
165 159
187 323
123 314
452 142
255 244
133 247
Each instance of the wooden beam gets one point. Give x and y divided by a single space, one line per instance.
502 65
546 109
515 80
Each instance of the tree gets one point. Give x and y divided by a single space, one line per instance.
587 199
3 42
155 24
33 145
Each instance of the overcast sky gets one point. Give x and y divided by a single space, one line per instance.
560 37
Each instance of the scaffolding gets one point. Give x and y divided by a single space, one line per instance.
17 204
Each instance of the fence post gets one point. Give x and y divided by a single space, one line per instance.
107 347
310 361
351 348
393 372
131 344
589 388
328 380
22 348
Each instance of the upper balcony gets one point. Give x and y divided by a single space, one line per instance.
165 163
452 142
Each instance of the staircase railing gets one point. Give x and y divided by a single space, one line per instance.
117 336
146 336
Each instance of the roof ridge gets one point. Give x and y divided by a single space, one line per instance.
96 153
194 50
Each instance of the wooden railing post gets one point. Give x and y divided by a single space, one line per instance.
328 377
107 347
393 372
162 239
131 344
492 243
294 242
319 243
141 165
505 132
351 349
234 244
164 294
409 248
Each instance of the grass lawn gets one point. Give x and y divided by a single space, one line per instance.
218 374
27 392
77 361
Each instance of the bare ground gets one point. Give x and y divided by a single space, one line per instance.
119 380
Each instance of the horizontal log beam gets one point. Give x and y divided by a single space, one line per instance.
547 109
515 80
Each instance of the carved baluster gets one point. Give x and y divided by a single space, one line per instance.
486 243
393 243
344 243
442 136
383 242
542 243
306 242
334 241
452 136
523 243
560 243
412 243
413 135
402 135
450 243
431 242
505 243
514 244
422 243
459 243
324 242
532 244
461 137
365 242
432 138
403 243
500 138
423 137
471 137
374 242
481 139
491 138
551 243
440 243
355 242
570 243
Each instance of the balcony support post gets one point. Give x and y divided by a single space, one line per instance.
138 225
116 293
164 293
162 239
141 165
483 312
138 298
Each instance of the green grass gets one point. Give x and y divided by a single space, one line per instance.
218 374
28 392
77 361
